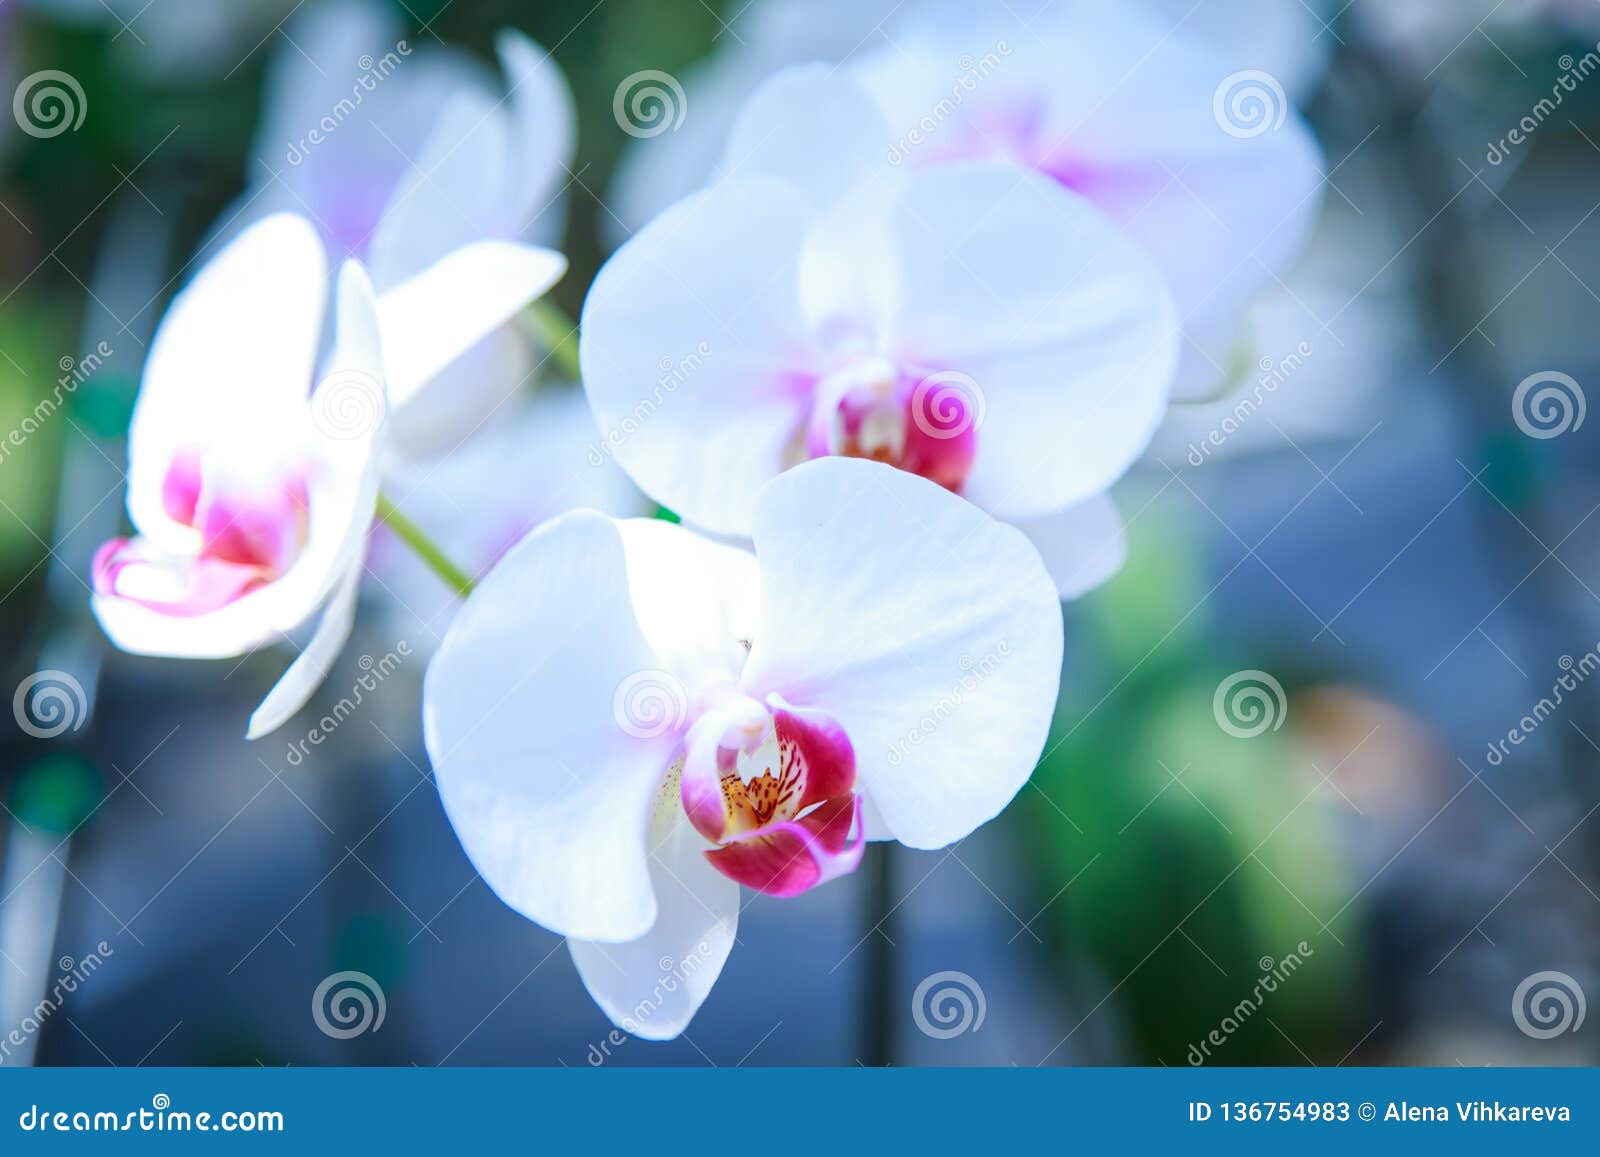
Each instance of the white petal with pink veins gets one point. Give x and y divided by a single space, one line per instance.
235 352
278 515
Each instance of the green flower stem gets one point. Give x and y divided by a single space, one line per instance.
557 333
426 549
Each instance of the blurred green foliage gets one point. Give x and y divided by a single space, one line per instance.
30 438
1195 863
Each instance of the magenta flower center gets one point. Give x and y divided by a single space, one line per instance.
251 527
922 422
773 787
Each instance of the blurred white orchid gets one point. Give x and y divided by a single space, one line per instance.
541 458
763 37
251 493
974 323
444 183
1208 167
1292 42
1120 104
627 721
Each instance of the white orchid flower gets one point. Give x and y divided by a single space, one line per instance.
444 181
977 324
628 722
250 491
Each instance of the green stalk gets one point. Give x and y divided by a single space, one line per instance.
426 549
557 333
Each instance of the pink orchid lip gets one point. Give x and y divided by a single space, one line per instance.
249 536
923 422
784 830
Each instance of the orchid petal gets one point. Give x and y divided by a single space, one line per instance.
812 130
234 355
794 856
1082 546
544 128
435 316
1062 325
465 402
697 601
549 794
930 632
693 336
311 666
652 986
452 195
538 458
